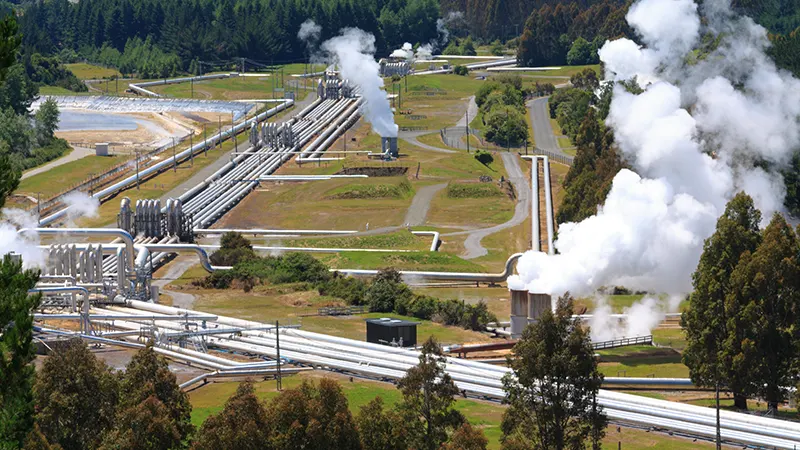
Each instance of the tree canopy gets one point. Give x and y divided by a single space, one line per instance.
16 351
553 385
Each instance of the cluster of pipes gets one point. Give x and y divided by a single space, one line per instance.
389 69
389 147
274 135
331 87
148 221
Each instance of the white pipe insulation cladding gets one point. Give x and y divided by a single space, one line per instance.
222 135
476 277
117 232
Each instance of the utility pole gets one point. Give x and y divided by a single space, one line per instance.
174 160
137 169
192 82
205 141
219 130
278 351
191 144
719 431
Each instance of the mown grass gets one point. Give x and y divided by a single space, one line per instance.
441 99
307 205
237 88
59 178
397 240
565 143
642 362
475 212
91 72
424 261
58 90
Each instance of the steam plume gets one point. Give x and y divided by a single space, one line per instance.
11 241
693 139
309 32
80 205
353 52
405 52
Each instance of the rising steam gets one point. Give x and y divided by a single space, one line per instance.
352 51
11 241
80 205
693 139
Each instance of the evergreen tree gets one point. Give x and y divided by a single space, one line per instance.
76 397
312 417
764 335
428 398
552 390
380 429
706 321
242 424
16 352
154 413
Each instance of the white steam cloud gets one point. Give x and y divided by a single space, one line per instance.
441 25
11 241
80 205
404 52
352 51
309 32
693 139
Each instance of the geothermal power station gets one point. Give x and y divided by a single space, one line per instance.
102 277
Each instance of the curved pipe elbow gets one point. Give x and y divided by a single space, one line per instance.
182 248
117 232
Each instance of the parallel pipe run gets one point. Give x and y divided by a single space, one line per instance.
548 199
256 232
63 290
181 248
475 277
224 134
484 380
116 232
243 373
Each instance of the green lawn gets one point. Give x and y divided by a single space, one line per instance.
642 362
91 72
398 240
67 175
58 90
434 101
420 261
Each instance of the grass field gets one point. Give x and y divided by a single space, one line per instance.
58 90
642 362
307 205
478 212
62 177
210 399
435 101
91 72
398 240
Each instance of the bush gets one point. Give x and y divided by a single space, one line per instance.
506 126
484 157
400 190
352 290
457 312
473 190
461 70
387 290
234 248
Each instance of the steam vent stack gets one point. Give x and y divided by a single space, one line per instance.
389 145
537 305
519 312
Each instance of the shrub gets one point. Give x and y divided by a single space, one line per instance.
351 290
461 70
484 157
473 190
386 290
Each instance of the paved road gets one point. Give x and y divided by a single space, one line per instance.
542 130
174 271
472 244
76 154
412 139
418 210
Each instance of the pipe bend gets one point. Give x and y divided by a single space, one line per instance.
118 232
182 248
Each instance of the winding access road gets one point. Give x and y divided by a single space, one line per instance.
472 244
542 130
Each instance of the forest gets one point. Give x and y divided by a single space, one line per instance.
162 38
